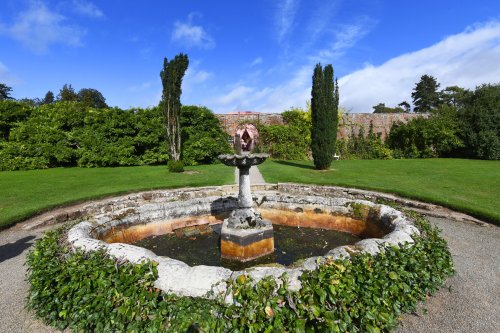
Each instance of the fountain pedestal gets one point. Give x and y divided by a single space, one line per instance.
245 235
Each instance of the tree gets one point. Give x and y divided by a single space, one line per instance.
405 106
480 123
92 98
170 104
49 98
67 94
425 95
324 105
454 96
5 92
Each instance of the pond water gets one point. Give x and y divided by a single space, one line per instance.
202 246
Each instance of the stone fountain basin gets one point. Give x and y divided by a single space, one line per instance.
159 212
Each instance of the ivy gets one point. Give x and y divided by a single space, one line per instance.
92 292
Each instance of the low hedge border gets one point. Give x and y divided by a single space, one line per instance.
92 292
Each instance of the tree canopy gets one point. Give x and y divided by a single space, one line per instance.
425 94
5 92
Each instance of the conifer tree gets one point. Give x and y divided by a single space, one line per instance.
425 94
324 106
170 104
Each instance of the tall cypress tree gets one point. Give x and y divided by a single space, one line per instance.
324 106
170 104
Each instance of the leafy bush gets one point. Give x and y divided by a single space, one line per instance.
91 292
290 141
203 138
72 134
363 146
175 166
436 136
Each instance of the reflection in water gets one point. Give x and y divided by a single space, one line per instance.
196 246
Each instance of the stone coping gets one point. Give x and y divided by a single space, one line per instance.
177 277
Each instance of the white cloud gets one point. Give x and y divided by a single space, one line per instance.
346 37
87 8
38 27
466 59
192 35
285 17
267 99
256 61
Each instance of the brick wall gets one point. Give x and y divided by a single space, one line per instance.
382 122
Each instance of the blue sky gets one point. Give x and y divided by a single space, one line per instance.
247 55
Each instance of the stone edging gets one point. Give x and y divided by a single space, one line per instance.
179 278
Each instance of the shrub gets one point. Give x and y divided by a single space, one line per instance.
175 166
360 146
203 138
92 292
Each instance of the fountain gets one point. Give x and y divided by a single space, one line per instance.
245 235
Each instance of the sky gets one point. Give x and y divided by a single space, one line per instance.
247 55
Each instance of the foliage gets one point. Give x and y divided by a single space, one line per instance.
479 120
49 98
175 166
107 139
290 141
67 94
324 106
425 95
435 136
44 140
170 104
363 146
91 98
203 138
381 108
91 292
5 92
72 134
454 96
11 114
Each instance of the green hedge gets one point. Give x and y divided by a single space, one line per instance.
66 134
91 292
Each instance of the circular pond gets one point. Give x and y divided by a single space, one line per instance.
311 223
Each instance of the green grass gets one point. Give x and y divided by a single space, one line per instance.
25 193
470 186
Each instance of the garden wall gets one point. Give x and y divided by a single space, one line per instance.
382 122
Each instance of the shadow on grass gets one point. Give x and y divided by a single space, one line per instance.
295 164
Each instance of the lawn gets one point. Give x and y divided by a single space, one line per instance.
25 193
470 186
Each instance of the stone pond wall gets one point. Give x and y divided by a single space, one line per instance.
350 122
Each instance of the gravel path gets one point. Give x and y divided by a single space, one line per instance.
255 176
472 305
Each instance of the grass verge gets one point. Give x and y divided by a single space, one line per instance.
469 186
26 193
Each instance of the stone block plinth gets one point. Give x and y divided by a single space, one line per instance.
246 244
